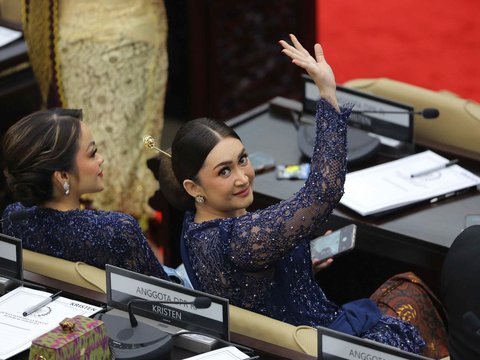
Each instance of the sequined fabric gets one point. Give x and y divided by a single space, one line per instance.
94 237
261 261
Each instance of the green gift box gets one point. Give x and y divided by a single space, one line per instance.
77 338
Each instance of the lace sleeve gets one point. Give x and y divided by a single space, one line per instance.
134 252
259 238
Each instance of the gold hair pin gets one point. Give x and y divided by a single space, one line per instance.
149 143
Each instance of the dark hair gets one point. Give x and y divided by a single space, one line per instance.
37 146
191 146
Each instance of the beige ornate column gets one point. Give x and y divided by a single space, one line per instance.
111 61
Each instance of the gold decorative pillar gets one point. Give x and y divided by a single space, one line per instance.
110 59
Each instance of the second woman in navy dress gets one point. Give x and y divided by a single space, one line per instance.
50 161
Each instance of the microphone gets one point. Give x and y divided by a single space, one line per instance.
200 302
428 113
132 340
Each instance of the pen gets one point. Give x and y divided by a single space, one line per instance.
440 167
41 304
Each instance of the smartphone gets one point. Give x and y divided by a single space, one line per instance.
293 172
261 162
472 219
334 244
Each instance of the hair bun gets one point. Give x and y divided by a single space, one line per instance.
171 188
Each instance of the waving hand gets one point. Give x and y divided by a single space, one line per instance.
317 67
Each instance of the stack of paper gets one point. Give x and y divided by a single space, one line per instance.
18 331
391 185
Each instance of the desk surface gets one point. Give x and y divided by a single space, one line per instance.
437 224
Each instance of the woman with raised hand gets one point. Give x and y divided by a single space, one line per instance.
261 260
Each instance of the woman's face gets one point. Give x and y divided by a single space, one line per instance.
88 177
226 179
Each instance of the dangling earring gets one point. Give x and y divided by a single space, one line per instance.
200 199
66 188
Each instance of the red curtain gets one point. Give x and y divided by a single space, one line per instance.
430 43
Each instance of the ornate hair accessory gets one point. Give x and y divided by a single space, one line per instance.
149 143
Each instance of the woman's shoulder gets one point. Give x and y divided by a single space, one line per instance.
113 215
211 229
13 207
110 217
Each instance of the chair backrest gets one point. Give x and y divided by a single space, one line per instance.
76 273
456 130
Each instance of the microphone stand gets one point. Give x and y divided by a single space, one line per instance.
130 339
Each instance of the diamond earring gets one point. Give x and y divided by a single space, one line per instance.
66 188
200 199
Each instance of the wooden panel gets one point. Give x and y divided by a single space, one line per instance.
233 59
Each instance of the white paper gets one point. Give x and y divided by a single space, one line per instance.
8 35
225 353
18 331
389 186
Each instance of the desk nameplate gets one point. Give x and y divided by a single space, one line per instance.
11 257
334 345
124 285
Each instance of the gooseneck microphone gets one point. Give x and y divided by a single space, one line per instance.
200 302
428 113
130 339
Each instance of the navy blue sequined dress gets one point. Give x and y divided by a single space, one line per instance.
261 261
94 237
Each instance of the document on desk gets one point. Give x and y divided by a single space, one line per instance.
8 35
425 176
18 331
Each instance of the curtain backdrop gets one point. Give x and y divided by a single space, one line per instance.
429 43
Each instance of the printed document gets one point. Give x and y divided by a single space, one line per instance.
18 331
389 186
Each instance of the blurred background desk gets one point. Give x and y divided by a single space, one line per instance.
414 239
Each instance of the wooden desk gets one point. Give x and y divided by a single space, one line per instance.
267 351
415 239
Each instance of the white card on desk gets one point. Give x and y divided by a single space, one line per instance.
18 331
226 353
391 185
8 35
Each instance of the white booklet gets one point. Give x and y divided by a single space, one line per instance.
18 331
390 186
